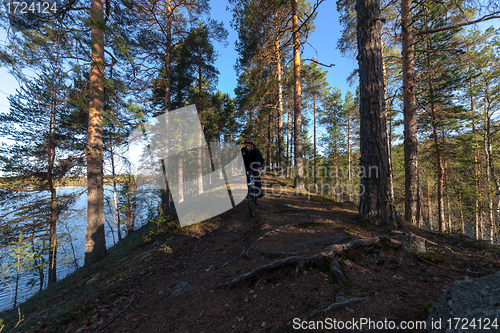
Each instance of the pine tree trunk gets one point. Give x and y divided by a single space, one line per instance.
180 170
53 235
412 207
476 160
95 243
439 162
350 187
489 159
297 101
281 146
429 203
131 207
115 199
269 140
53 202
201 151
287 171
462 223
445 181
376 178
315 163
165 193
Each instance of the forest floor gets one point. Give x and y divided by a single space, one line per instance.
132 289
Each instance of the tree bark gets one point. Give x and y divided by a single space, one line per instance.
314 126
53 203
350 188
376 176
269 140
95 243
429 203
297 101
165 193
412 207
115 199
439 161
281 146
489 155
288 147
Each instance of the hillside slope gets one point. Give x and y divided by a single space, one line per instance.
177 280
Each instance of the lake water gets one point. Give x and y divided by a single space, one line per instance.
72 254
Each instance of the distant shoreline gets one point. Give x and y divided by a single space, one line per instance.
12 183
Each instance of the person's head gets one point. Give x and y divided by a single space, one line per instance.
248 144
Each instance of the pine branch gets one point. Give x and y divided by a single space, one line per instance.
482 19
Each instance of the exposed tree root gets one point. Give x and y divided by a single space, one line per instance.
245 253
309 221
333 307
271 255
328 252
269 233
323 241
269 267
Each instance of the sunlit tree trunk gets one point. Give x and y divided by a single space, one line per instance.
95 243
462 223
288 146
281 146
297 101
429 203
269 140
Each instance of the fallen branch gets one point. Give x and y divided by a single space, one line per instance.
328 253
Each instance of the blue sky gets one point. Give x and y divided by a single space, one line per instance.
324 39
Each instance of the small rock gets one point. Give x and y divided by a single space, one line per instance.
337 271
180 288
347 262
414 244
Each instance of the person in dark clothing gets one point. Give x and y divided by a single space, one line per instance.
252 158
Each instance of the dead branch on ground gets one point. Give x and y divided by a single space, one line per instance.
326 253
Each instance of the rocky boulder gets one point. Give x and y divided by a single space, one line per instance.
468 306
